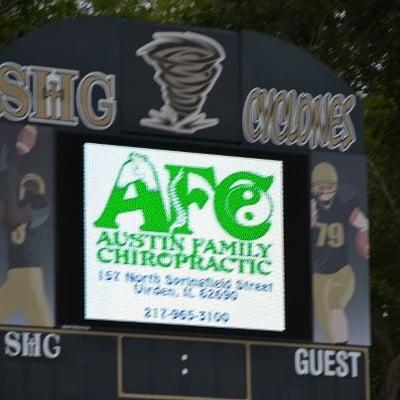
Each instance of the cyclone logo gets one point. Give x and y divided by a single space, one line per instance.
187 66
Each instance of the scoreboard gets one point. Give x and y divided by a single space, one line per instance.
182 216
54 364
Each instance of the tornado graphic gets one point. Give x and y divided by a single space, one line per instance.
187 66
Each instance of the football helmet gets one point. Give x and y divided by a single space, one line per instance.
324 184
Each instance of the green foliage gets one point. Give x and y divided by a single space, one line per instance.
360 40
20 17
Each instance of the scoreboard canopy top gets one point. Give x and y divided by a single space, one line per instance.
135 78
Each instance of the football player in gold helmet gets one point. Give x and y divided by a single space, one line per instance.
24 209
333 277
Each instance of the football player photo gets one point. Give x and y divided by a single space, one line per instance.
24 210
337 223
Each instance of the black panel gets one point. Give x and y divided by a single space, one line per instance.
274 376
85 369
184 368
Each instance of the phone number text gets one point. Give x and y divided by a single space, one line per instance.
176 314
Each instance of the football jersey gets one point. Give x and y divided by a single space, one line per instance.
24 242
330 236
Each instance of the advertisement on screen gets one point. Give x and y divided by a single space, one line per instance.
183 238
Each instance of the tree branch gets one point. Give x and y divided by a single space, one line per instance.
385 190
6 6
392 382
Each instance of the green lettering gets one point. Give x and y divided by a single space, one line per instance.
230 197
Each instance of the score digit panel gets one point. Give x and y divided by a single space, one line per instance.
173 237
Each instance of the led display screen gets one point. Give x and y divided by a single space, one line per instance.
182 238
